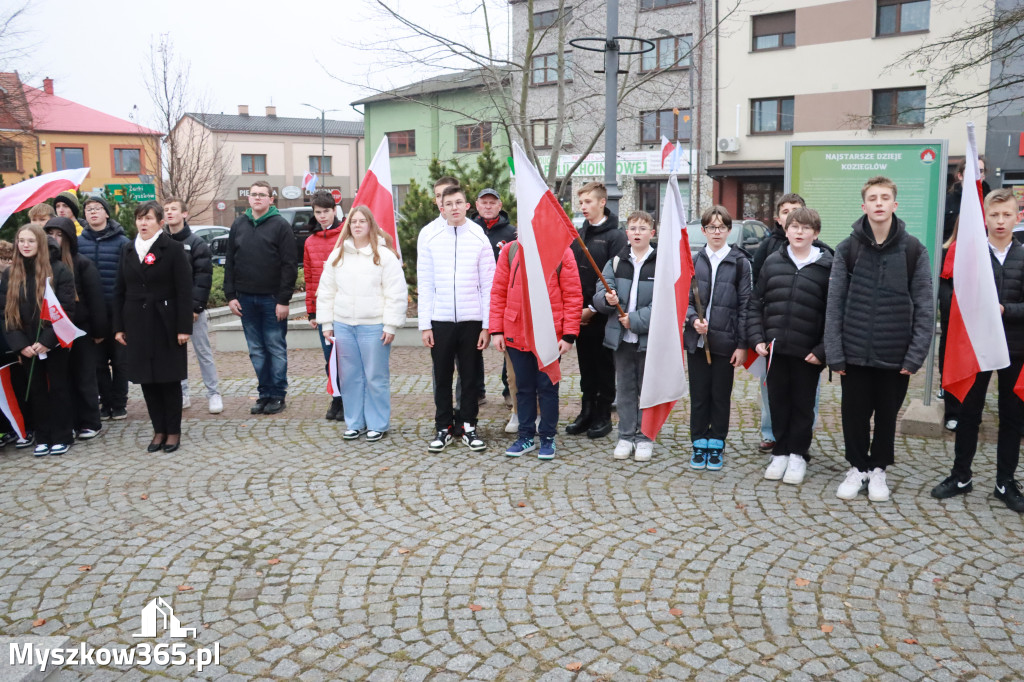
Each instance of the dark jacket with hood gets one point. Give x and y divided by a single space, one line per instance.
201 259
103 248
879 315
789 304
261 257
90 309
727 323
621 280
501 232
63 284
603 241
777 241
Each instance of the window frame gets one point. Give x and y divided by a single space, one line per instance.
408 146
778 18
127 148
895 112
82 148
555 17
252 164
658 42
879 4
654 6
16 151
314 164
779 130
553 68
481 130
676 120
548 133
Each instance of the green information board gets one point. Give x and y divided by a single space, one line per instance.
829 176
137 192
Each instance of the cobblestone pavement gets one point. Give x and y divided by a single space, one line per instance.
306 557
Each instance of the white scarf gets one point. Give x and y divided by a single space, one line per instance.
142 246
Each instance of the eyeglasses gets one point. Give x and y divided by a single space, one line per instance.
94 209
716 228
259 195
638 228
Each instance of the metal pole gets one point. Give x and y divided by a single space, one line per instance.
611 79
323 142
689 160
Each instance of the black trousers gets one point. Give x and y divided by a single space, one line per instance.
85 399
597 364
792 387
49 398
1011 416
710 395
951 406
871 392
112 374
455 340
164 404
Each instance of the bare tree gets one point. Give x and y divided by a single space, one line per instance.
14 45
194 165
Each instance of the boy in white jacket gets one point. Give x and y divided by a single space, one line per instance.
454 271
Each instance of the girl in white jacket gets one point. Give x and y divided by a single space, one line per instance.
360 304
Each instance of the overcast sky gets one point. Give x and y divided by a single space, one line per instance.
323 52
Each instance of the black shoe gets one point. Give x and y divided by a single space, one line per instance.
260 405
582 421
172 447
156 445
118 413
105 413
600 427
274 405
7 439
334 409
951 487
1011 496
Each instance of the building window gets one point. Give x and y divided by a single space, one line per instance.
901 16
658 4
68 157
314 165
543 132
774 31
544 69
674 126
543 20
254 164
8 159
902 107
127 161
472 138
771 115
402 143
671 52
399 193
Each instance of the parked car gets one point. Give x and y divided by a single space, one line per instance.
298 217
208 232
747 234
219 249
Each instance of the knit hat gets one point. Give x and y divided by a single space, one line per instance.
70 199
102 202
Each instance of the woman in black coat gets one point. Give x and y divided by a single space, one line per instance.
153 318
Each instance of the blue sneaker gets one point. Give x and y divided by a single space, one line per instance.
699 458
547 448
715 448
520 446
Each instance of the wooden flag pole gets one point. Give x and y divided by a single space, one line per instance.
700 314
593 264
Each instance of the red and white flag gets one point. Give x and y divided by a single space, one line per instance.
375 192
309 182
28 193
333 373
758 364
664 370
66 330
9 401
975 341
545 232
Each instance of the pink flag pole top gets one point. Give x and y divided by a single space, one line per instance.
375 192
28 193
975 340
664 371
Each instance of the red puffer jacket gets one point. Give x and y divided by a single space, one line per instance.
318 247
564 291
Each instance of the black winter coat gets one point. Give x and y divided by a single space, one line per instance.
603 241
777 241
63 284
499 234
1010 285
152 305
201 259
727 324
90 308
261 257
788 305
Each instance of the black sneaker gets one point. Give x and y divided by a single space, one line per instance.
274 406
118 413
334 410
473 441
258 407
7 439
440 442
951 487
1011 496
105 413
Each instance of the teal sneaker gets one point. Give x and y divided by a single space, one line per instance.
547 448
714 451
699 458
520 446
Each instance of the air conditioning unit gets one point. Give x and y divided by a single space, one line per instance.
728 144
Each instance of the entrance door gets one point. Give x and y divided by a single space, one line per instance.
757 200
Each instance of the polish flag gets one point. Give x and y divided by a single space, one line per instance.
66 330
9 401
28 193
309 182
375 192
333 371
664 372
545 232
758 364
975 340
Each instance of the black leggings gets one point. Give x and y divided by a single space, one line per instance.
164 404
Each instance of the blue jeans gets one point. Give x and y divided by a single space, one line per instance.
533 386
364 366
265 336
766 415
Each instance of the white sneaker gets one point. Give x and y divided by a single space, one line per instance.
623 449
878 491
795 470
644 450
216 404
851 485
186 401
513 424
776 468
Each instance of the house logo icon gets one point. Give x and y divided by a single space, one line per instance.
158 612
928 157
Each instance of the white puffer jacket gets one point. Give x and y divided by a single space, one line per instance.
355 291
454 272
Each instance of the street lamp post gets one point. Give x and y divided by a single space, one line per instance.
323 134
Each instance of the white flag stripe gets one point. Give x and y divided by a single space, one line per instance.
974 284
529 190
63 327
381 164
12 198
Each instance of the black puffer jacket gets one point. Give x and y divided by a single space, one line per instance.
1010 285
90 309
777 241
198 252
727 322
603 242
788 305
879 315
499 234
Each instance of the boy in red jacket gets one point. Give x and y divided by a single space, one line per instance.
325 228
509 333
